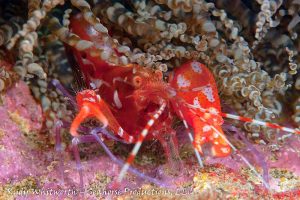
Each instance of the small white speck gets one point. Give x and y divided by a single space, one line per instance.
196 67
182 82
207 91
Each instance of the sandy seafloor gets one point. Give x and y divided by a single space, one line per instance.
29 166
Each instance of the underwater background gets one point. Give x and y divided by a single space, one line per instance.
250 47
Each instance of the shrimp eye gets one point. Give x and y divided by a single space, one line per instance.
158 74
137 81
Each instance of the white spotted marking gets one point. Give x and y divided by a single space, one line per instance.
196 67
117 99
208 92
182 82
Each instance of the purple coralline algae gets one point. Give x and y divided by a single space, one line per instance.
30 169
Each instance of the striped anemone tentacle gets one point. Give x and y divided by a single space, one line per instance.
140 140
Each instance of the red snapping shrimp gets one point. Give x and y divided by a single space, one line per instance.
136 104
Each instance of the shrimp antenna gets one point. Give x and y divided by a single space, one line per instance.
258 122
139 142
